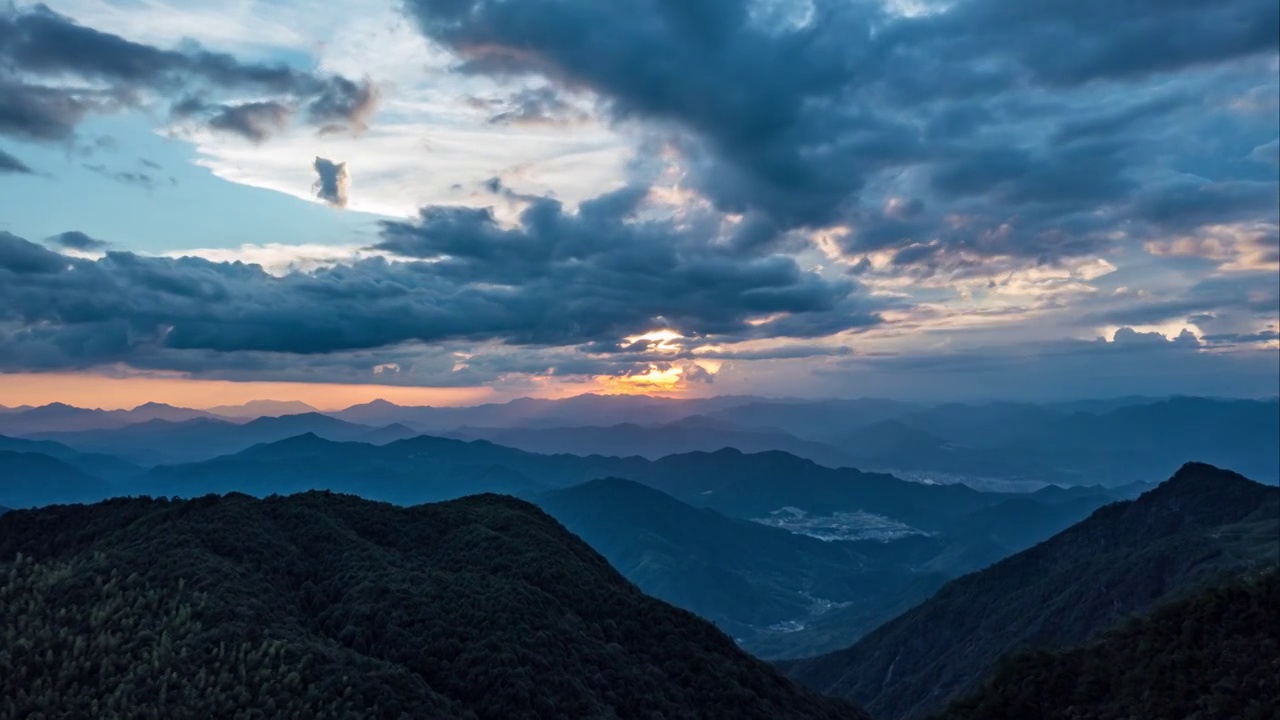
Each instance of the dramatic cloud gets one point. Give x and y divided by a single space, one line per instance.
333 182
557 281
616 274
11 164
54 72
818 196
945 136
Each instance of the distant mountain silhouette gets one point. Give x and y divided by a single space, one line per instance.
262 408
60 417
692 434
56 416
992 446
581 410
387 434
322 605
1214 655
164 442
105 467
890 437
815 419
425 468
1199 527
28 479
1119 443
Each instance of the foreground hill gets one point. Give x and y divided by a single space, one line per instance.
320 605
1199 527
1213 656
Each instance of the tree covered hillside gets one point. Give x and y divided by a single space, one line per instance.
1200 528
322 605
1213 656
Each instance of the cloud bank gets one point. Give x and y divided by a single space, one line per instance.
54 73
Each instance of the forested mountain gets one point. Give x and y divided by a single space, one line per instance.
308 462
1199 527
1216 655
322 605
898 540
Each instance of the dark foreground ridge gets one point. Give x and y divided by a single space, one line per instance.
322 605
1202 528
1214 656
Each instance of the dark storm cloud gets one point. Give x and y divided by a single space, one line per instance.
617 275
76 240
1023 127
39 47
11 164
558 280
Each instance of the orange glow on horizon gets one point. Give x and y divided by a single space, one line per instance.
117 393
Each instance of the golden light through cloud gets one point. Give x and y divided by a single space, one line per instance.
660 340
653 380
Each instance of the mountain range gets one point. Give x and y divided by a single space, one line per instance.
322 605
990 446
1199 529
158 442
900 540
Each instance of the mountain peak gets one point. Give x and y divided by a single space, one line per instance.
1198 478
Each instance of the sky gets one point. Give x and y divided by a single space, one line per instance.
456 201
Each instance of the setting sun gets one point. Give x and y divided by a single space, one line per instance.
652 380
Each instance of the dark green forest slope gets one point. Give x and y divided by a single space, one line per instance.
1199 528
322 605
1214 656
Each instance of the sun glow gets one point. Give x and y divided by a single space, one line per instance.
653 380
658 340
